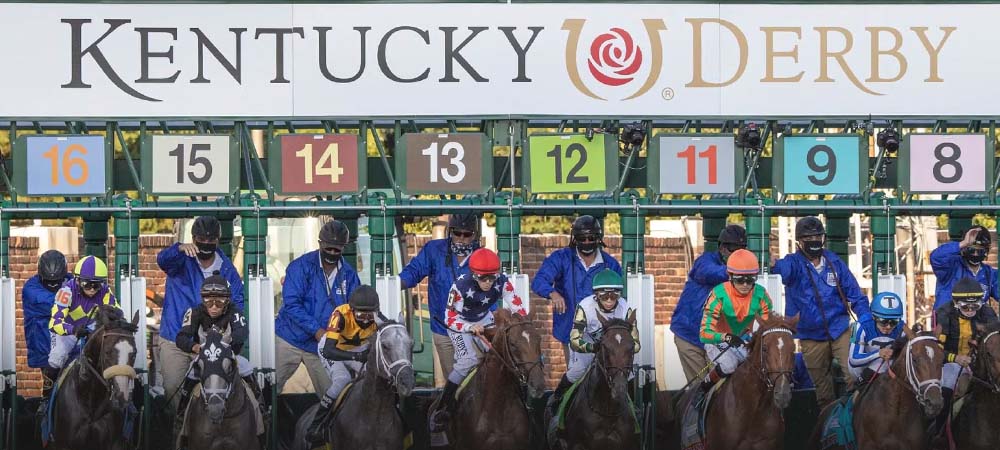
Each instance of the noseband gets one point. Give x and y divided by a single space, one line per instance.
918 387
766 374
112 371
384 365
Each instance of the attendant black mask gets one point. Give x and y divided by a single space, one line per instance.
206 251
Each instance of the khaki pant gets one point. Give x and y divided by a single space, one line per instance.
445 352
692 358
174 364
288 359
819 360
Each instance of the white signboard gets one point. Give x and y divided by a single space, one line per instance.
191 164
665 60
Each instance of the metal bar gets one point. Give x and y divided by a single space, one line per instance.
382 156
252 150
130 164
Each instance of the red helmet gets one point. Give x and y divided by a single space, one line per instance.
484 262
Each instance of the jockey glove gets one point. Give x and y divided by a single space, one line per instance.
733 340
361 356
80 332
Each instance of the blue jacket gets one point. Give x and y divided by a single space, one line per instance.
800 299
36 302
946 260
308 302
707 272
563 272
183 290
435 261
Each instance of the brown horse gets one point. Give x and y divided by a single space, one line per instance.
975 426
745 412
895 411
95 395
600 416
491 411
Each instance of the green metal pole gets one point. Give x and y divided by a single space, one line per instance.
711 226
633 228
883 229
95 238
5 272
509 234
758 225
126 249
838 233
226 238
382 229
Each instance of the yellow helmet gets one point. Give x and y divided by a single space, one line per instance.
91 268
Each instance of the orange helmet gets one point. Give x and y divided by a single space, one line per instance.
742 262
484 262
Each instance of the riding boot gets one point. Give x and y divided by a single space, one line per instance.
866 375
943 416
49 377
557 396
314 434
713 377
445 408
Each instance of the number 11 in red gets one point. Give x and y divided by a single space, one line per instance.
713 169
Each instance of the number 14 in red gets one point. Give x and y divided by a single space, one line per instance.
713 169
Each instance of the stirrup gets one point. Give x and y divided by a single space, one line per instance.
439 420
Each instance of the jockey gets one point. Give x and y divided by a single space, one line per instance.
344 349
871 354
607 301
730 312
957 325
72 312
469 313
217 310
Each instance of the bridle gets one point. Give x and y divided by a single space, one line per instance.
111 371
608 372
383 363
519 368
766 374
914 384
218 393
991 379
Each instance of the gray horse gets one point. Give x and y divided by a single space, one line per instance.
387 375
225 417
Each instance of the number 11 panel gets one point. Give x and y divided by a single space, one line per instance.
695 164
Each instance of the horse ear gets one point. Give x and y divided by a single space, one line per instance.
793 321
908 333
604 322
135 318
400 318
631 317
501 317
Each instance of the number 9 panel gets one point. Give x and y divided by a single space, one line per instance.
317 164
945 163
821 164
190 164
447 163
62 165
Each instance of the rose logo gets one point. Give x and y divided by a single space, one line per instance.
614 57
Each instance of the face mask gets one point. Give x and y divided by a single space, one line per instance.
973 256
588 248
812 249
52 286
206 251
329 258
461 250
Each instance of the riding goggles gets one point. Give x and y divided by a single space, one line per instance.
743 279
216 302
609 294
485 278
887 322
463 233
92 285
969 307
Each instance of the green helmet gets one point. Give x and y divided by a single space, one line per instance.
607 279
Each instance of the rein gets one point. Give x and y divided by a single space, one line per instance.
914 384
507 360
609 371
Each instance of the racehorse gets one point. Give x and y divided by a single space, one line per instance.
895 409
225 418
600 415
974 428
388 374
746 411
491 411
95 396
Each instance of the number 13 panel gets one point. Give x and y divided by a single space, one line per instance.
445 163
946 163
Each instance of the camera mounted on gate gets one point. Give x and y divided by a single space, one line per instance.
632 134
888 139
749 136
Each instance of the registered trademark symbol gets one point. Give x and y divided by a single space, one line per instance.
667 94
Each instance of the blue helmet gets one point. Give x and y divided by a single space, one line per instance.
887 305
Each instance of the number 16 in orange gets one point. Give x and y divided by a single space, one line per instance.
711 154
67 164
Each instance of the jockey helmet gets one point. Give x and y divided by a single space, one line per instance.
364 299
607 279
52 266
215 286
742 262
484 262
91 268
809 226
887 305
733 235
334 233
967 296
468 221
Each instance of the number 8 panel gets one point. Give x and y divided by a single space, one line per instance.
945 163
445 163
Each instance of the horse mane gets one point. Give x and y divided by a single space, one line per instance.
615 322
112 318
989 328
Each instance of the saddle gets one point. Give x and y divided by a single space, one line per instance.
838 431
693 418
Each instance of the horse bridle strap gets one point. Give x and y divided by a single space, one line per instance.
991 382
763 367
514 366
119 370
383 362
919 387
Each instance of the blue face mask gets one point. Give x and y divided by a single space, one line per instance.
461 250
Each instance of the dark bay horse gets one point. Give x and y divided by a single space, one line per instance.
975 426
368 417
600 415
491 412
96 392
224 417
896 409
746 412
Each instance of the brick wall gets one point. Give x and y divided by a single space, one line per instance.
24 264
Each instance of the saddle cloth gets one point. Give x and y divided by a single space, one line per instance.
838 431
196 394
693 419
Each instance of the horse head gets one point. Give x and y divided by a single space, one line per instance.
920 356
393 356
519 348
110 353
615 353
987 368
772 349
217 369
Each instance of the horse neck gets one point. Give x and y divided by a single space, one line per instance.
748 376
597 389
495 379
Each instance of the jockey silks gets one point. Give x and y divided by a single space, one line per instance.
728 312
468 304
72 309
